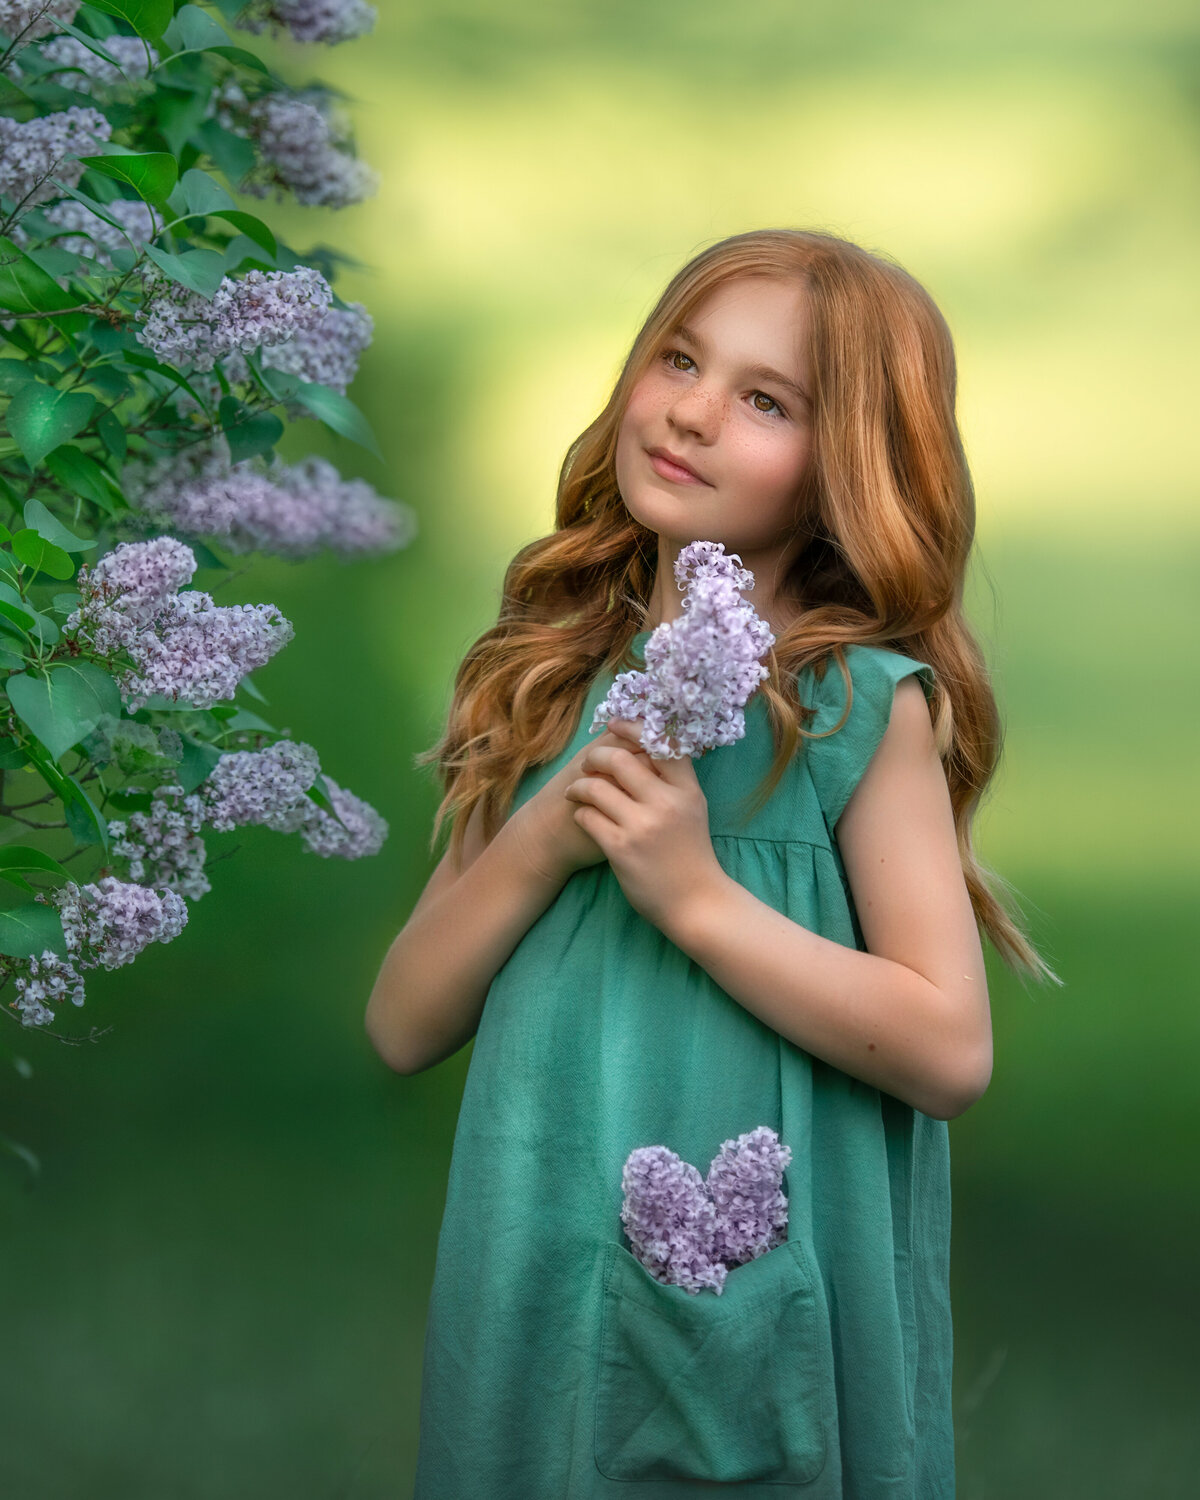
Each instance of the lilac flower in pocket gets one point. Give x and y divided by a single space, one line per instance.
744 1183
690 1232
670 1219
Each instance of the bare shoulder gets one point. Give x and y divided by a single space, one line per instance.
899 848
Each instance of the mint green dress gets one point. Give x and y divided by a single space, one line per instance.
555 1367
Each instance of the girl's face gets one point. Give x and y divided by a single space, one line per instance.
728 396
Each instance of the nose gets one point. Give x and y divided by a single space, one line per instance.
697 409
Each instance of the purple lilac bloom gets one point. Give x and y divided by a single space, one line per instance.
270 787
180 645
40 980
259 308
164 845
357 831
86 233
27 20
327 21
259 786
744 1182
303 149
128 51
700 669
48 145
107 924
290 510
670 1220
111 921
325 354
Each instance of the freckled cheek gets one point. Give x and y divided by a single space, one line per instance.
645 403
769 470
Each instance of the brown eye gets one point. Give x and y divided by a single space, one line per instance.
771 399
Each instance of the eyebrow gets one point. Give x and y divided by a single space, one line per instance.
756 372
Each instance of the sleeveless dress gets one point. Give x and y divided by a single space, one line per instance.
555 1367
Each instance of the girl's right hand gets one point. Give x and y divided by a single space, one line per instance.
553 842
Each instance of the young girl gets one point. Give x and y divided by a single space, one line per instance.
784 932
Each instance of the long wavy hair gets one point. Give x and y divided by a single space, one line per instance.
889 513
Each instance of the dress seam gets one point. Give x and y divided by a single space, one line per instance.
764 838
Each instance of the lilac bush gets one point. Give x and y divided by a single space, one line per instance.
160 341
700 669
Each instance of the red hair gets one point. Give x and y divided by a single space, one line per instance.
889 512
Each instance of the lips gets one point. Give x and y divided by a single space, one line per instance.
673 467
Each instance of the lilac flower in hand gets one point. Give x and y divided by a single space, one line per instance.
700 669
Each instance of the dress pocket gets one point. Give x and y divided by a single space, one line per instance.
724 1388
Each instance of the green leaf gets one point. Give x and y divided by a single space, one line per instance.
151 174
36 552
21 618
47 525
89 42
54 260
12 756
247 432
240 55
251 689
149 18
179 114
10 662
112 435
25 286
232 154
40 418
130 799
198 193
194 31
251 227
109 383
198 270
198 760
145 361
280 384
94 204
84 818
21 857
338 413
27 931
81 474
14 373
65 705
26 620
241 253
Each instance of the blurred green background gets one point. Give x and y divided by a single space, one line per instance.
217 1287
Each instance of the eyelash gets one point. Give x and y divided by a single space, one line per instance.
668 356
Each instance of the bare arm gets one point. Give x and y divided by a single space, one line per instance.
910 1016
430 992
429 996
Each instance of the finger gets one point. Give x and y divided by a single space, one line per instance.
627 729
636 773
600 793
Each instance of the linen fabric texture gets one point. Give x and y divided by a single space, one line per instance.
555 1367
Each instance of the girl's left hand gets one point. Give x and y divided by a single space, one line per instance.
651 821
